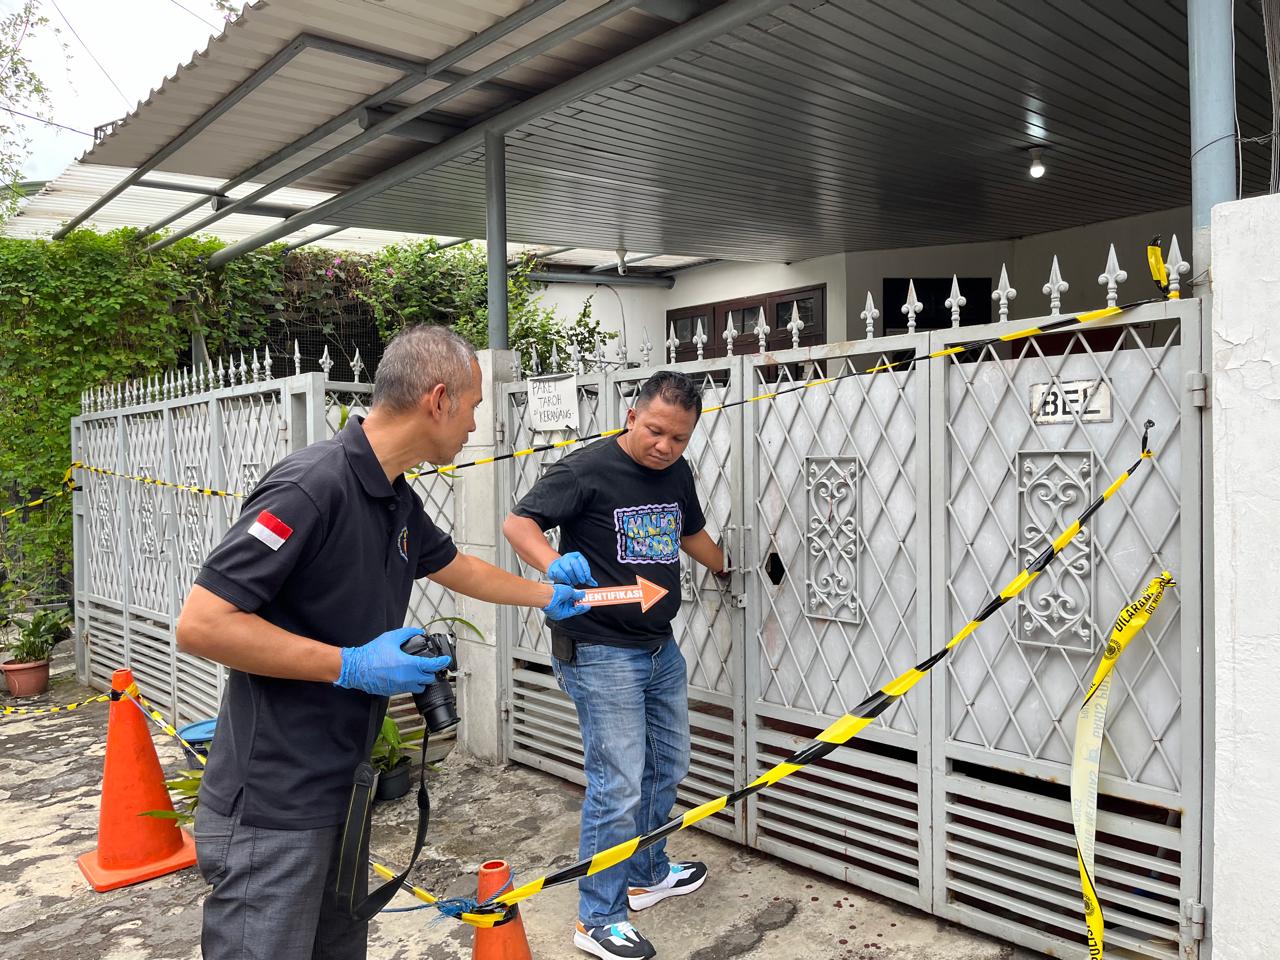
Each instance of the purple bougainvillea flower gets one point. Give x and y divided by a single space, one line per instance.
337 261
329 273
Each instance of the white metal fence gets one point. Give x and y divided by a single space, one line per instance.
868 520
138 546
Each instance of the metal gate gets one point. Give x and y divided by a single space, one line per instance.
869 518
139 546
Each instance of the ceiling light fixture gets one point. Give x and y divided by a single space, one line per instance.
1037 164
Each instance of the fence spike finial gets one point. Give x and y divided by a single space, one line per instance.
357 365
795 325
955 301
622 346
297 357
699 338
535 363
266 362
326 362
255 369
646 348
210 375
673 344
599 356
1175 267
730 334
222 373
1055 288
575 357
1112 276
911 309
244 369
1004 293
762 330
555 358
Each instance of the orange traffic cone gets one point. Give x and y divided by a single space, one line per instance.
506 941
131 847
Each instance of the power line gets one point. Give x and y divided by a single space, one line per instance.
211 26
127 102
60 126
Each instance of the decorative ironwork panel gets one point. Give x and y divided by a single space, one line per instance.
253 439
102 509
1011 479
148 513
195 521
1056 610
832 538
822 665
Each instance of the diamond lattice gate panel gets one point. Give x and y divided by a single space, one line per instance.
869 518
1030 433
138 546
839 556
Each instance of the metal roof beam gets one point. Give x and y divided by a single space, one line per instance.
542 254
557 276
415 73
677 11
280 210
534 48
327 232
424 131
728 16
181 188
624 262
242 90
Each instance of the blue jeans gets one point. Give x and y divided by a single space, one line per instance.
633 711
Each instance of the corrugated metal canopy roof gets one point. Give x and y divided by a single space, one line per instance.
80 184
823 127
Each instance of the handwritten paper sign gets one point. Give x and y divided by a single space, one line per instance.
553 403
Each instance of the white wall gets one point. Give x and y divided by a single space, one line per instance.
1081 252
1243 921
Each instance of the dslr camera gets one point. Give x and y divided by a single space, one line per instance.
436 702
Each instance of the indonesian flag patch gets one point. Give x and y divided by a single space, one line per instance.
271 530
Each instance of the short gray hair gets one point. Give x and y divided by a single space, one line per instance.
417 359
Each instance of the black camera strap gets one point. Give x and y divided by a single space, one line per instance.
353 853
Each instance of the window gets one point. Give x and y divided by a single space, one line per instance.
809 303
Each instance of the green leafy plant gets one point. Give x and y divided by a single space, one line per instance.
186 790
389 746
39 635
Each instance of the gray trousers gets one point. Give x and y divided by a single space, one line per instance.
272 896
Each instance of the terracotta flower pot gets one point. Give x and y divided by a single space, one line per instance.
26 679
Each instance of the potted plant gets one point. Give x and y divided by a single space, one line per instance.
27 665
391 760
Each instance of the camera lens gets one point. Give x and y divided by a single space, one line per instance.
436 704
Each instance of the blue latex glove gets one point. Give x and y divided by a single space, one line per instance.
572 569
380 667
564 603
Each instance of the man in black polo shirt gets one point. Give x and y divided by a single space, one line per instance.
322 559
625 507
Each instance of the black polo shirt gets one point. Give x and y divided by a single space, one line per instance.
327 548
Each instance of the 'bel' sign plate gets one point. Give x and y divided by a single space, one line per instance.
1067 401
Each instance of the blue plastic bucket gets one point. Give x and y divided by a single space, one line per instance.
199 735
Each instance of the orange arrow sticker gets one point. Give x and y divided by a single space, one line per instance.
644 593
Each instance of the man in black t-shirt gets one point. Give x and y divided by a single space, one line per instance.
625 507
322 558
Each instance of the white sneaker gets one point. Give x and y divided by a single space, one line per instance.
683 878
617 941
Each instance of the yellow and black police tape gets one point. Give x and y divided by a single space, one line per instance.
1087 755
154 482
838 733
143 704
68 486
1155 261
64 708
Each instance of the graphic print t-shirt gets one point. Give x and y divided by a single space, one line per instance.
627 520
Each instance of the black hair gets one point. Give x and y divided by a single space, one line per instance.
674 388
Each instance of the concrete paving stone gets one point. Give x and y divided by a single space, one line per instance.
753 906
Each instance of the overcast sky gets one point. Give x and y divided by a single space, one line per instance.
138 43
